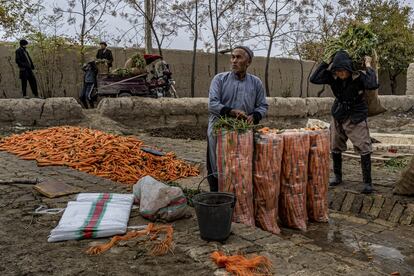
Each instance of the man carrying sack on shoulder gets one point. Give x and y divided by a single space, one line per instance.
349 111
234 94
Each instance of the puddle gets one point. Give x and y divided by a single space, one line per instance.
343 240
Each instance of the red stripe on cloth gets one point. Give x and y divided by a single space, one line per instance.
88 230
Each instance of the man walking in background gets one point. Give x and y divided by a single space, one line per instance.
235 94
26 68
105 53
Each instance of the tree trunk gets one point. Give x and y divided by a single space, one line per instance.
148 29
193 66
393 79
269 51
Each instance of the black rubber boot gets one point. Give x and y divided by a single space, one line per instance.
366 173
337 168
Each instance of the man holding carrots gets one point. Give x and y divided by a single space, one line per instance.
235 94
349 111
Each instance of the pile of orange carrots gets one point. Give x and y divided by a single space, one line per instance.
111 156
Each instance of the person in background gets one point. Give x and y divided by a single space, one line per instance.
105 53
235 94
90 83
349 112
26 68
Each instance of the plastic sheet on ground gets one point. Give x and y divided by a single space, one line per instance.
266 178
235 168
292 201
318 175
93 215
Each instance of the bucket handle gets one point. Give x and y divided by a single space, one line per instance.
204 178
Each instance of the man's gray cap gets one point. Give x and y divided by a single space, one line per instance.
246 49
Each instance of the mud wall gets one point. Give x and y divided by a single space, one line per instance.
61 76
38 112
150 113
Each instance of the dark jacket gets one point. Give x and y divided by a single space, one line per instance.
91 73
105 54
24 62
350 93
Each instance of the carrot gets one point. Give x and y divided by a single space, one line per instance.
114 157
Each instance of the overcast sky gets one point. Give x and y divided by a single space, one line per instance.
115 26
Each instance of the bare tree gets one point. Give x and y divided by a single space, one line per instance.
190 18
156 15
89 13
217 11
274 18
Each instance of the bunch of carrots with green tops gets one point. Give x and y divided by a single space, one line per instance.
232 124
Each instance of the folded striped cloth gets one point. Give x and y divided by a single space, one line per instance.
94 215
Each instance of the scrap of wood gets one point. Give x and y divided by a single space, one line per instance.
19 181
372 157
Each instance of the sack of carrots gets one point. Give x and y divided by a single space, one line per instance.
235 165
292 202
268 150
318 175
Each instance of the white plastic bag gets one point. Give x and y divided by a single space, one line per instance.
159 201
93 216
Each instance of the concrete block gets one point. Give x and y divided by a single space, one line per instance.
319 106
338 200
376 207
60 111
396 213
347 204
407 217
357 204
410 80
397 103
387 208
286 107
366 205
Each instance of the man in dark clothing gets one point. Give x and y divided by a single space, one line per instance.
349 111
26 68
89 84
105 53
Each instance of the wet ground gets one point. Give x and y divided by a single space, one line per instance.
347 245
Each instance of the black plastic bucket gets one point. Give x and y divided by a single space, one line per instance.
214 214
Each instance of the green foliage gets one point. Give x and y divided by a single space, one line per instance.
47 54
138 61
188 192
232 124
358 40
390 20
122 72
396 164
14 15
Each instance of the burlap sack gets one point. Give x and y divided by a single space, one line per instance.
405 186
128 64
374 105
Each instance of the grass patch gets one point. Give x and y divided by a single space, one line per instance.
188 192
396 164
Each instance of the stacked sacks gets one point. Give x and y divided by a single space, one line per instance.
294 178
266 177
318 175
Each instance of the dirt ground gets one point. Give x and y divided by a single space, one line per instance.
345 246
